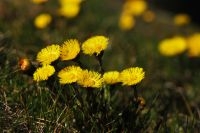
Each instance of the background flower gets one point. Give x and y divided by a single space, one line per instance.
42 20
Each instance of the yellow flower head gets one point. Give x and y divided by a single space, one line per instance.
48 54
94 45
69 74
43 73
126 21
172 46
194 45
39 1
69 10
181 19
66 2
135 7
132 76
111 77
42 20
90 79
70 49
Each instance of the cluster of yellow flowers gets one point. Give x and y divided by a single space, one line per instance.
178 44
69 50
132 9
68 9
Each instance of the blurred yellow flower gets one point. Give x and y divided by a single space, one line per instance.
148 16
69 74
66 2
42 20
43 73
132 76
39 1
90 79
95 45
181 19
69 10
193 42
135 7
48 54
172 46
111 77
126 21
70 49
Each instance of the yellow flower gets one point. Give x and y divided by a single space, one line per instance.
126 21
132 76
111 77
48 54
70 49
39 1
43 73
194 45
69 74
66 2
90 79
181 19
172 46
42 20
135 7
69 10
94 45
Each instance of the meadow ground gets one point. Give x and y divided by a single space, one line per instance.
166 100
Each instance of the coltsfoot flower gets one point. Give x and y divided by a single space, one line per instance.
193 42
126 21
111 77
69 10
132 76
70 49
66 2
43 73
95 45
48 54
69 74
90 79
172 46
42 20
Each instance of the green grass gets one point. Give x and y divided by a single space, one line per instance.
170 87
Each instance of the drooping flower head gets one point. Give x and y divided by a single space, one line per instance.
69 74
70 49
132 76
43 73
90 79
48 54
193 43
172 46
95 45
111 77
42 20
